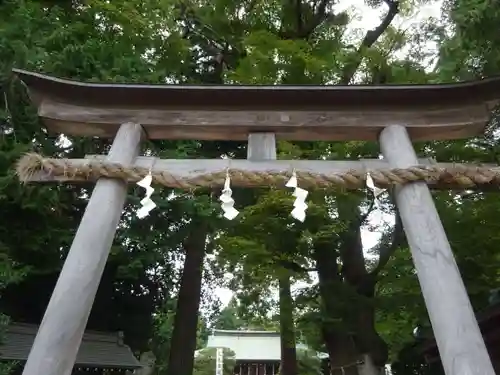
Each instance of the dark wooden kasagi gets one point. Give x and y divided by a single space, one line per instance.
429 112
394 115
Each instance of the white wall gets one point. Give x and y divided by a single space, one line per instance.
248 347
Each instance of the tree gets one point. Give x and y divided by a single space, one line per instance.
228 318
186 317
294 52
309 363
162 336
269 245
9 273
68 42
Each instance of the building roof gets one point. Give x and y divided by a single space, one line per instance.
245 333
251 345
98 349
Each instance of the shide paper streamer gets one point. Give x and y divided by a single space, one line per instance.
227 201
147 205
300 205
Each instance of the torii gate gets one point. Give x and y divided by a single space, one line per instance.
394 115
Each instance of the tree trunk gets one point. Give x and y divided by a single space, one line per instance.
338 341
367 341
183 343
287 328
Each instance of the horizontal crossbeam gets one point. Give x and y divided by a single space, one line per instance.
232 112
195 173
298 125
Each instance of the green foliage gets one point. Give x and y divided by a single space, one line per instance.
10 273
228 318
162 335
407 363
97 41
308 362
206 358
6 367
471 48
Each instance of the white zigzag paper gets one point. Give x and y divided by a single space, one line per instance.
147 205
227 202
299 206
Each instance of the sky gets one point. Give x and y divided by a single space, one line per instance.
368 18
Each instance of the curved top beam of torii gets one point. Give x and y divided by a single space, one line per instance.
231 112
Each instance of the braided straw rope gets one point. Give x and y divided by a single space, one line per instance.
460 175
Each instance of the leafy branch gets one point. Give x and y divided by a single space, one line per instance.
304 31
369 40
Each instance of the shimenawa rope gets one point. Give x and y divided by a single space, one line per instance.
460 175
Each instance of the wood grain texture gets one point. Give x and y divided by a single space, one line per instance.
457 334
60 334
423 123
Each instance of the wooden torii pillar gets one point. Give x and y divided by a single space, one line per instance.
394 115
